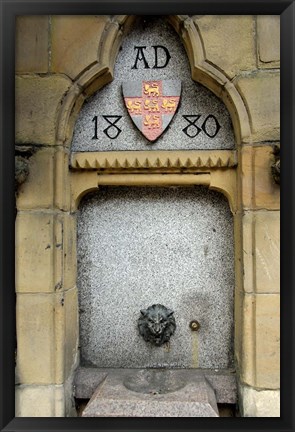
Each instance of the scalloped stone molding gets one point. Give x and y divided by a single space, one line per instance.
161 161
214 169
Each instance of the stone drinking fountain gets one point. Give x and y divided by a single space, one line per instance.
155 263
154 392
168 358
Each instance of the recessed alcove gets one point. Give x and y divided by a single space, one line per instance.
138 246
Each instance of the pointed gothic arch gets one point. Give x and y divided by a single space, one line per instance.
101 72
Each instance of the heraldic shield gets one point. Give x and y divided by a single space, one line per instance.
152 104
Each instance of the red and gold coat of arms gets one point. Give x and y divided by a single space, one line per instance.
152 104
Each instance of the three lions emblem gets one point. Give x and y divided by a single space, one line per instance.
152 104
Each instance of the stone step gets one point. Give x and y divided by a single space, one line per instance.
152 393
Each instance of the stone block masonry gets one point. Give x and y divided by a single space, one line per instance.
63 60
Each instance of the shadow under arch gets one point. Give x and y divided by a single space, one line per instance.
102 71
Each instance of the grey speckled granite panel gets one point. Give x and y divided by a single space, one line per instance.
140 246
196 100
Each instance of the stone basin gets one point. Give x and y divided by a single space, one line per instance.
153 392
154 381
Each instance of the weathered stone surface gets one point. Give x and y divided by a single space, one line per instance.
62 192
267 192
87 380
276 165
39 401
47 330
247 175
31 44
42 190
259 190
75 43
34 252
228 42
35 339
268 40
262 403
155 245
45 252
70 326
37 191
267 252
224 385
261 93
248 245
37 105
113 399
247 361
69 251
268 341
21 171
261 248
261 341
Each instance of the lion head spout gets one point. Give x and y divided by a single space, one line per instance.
156 324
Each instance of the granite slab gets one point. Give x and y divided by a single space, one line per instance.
193 398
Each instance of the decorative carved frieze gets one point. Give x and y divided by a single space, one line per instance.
161 161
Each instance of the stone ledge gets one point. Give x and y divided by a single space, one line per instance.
162 160
156 393
223 382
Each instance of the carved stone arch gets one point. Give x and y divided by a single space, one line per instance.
101 73
208 74
94 78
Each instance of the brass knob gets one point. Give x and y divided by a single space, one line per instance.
194 325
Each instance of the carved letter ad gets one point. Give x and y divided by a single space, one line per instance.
152 104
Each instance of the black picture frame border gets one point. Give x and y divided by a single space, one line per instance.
9 10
